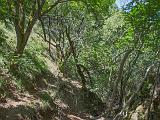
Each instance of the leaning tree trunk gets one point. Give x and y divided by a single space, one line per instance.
22 27
119 78
78 66
22 38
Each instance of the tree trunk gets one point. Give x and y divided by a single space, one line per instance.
20 45
22 39
79 70
119 78
23 31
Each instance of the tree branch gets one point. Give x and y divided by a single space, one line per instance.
134 95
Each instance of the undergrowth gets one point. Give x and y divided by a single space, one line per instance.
29 65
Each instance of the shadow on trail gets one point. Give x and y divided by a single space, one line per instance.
63 96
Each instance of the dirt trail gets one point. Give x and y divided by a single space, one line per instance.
52 97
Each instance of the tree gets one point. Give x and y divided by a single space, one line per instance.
67 26
23 14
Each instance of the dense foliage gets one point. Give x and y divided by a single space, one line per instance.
114 52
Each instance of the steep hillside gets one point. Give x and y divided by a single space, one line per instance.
37 90
79 60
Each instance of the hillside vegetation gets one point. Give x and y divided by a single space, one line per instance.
79 60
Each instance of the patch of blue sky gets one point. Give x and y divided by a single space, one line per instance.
121 3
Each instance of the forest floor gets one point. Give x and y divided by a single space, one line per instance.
50 97
37 90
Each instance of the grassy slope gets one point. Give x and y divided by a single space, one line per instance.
36 90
